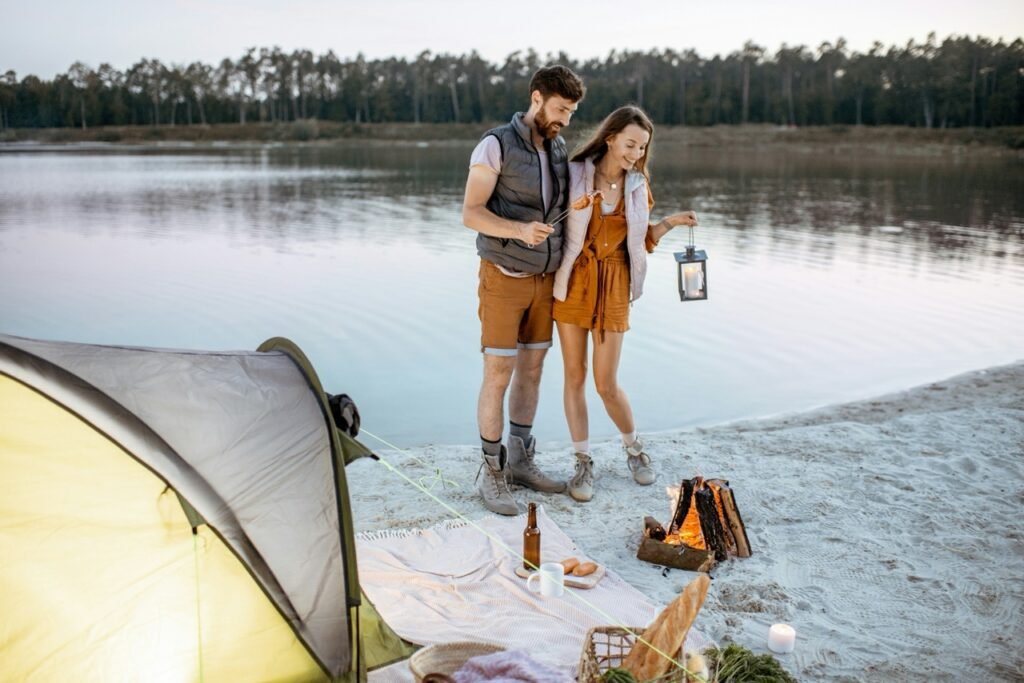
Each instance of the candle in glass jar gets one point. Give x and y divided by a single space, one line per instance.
781 638
692 276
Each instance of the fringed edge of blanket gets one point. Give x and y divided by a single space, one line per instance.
382 534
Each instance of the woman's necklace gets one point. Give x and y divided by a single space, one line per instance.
611 185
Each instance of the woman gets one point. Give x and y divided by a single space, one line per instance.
602 272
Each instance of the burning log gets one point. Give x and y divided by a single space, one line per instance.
710 523
652 529
706 527
682 505
675 555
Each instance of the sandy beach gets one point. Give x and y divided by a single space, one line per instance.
888 532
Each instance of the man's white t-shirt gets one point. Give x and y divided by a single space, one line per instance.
488 154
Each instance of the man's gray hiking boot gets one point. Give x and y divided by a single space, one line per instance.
640 464
493 485
523 471
581 486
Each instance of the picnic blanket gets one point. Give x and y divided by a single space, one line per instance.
454 582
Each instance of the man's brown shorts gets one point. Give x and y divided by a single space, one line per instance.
515 312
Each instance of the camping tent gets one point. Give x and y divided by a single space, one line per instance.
176 516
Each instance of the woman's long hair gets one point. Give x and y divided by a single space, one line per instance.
613 124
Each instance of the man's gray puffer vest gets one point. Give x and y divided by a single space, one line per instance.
518 196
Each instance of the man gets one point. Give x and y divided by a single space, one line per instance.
517 187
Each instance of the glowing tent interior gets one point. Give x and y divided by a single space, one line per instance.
171 515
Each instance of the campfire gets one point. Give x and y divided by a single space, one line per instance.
705 528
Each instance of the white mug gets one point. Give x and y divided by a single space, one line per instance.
551 576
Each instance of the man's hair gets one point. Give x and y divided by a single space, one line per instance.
558 80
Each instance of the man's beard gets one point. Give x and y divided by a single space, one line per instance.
545 127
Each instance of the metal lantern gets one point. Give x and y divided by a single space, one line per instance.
693 272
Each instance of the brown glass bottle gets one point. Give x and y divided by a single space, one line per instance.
531 540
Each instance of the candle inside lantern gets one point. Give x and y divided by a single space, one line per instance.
692 277
781 638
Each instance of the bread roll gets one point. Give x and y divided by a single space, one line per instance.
569 564
584 569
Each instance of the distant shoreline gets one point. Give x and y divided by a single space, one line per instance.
887 140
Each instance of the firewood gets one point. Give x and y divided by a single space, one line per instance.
717 485
682 505
671 555
735 522
652 529
710 525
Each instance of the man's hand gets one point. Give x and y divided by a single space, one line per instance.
534 233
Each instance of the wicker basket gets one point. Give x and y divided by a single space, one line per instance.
607 646
447 658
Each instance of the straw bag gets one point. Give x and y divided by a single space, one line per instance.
447 658
605 647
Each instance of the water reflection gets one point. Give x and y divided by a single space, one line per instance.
832 277
792 204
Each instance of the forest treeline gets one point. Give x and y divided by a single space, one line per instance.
959 82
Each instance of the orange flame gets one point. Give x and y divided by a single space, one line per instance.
689 532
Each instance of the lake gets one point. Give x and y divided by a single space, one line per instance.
831 278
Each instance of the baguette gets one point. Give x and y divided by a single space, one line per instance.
667 632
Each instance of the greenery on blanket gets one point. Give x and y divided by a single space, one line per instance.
734 664
737 664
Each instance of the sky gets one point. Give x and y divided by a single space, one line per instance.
45 38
